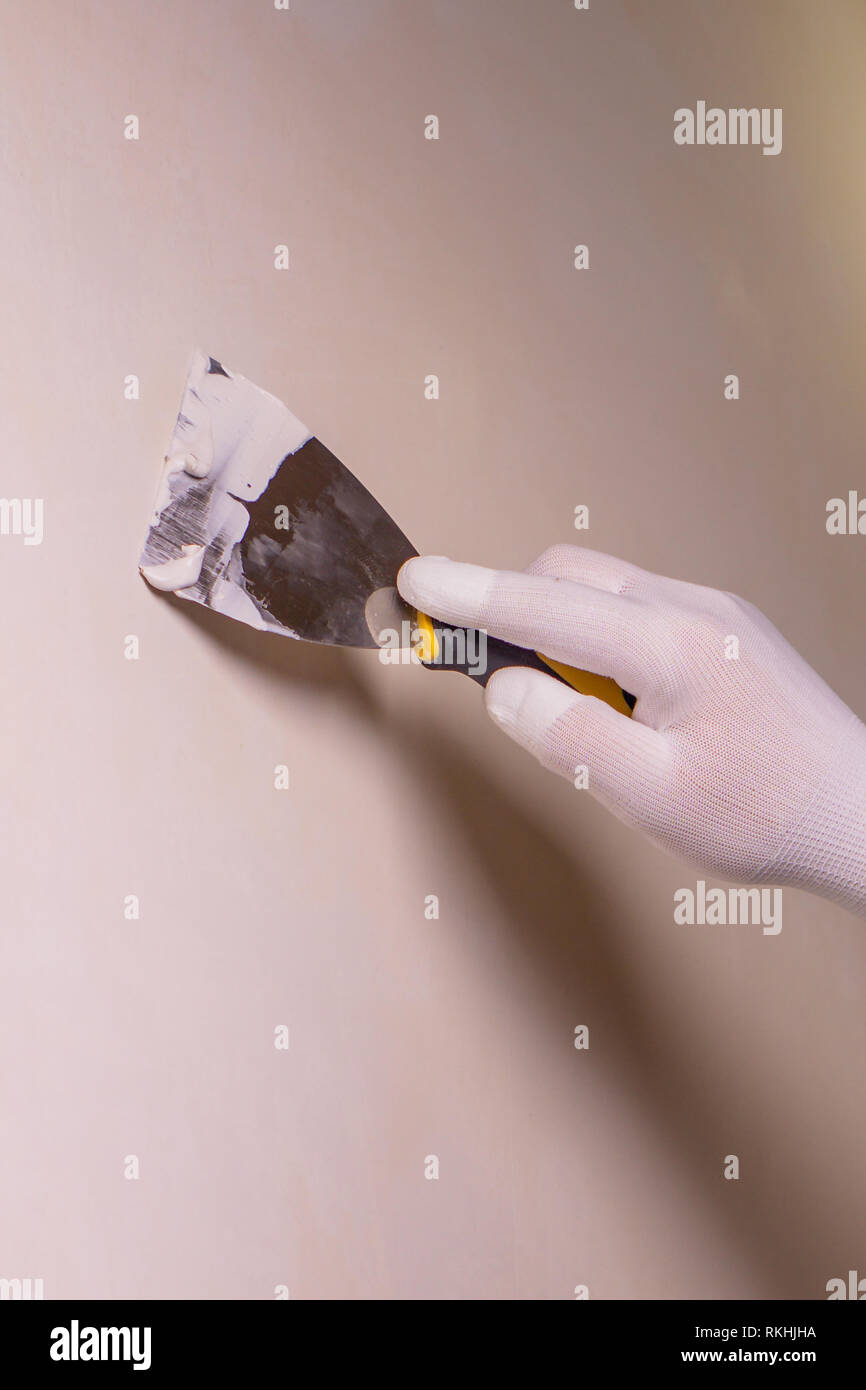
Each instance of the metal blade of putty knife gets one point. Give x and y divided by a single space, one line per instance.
256 519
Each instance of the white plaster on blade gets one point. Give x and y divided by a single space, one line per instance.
176 574
163 496
229 440
235 602
198 466
251 431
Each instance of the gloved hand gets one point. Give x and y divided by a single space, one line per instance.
738 756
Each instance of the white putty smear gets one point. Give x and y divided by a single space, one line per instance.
230 431
230 438
176 574
196 466
184 463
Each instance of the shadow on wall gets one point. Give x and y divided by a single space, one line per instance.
536 883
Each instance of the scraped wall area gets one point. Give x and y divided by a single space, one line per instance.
312 984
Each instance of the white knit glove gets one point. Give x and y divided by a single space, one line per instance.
746 764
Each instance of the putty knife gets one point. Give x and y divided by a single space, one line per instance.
256 519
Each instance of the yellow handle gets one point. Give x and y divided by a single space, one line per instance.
587 683
427 646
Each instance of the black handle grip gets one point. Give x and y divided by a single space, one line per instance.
477 655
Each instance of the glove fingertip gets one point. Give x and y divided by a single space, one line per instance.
526 703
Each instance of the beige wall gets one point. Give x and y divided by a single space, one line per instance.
411 1037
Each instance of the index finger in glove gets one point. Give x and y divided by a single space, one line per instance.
610 634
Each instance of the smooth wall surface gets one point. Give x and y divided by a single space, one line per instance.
153 1038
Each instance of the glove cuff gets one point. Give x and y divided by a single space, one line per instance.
825 853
